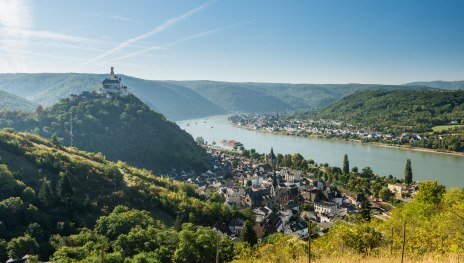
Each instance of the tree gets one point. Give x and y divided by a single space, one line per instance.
54 140
20 246
385 194
3 254
361 237
430 192
346 165
408 172
28 195
39 110
46 195
367 172
365 211
249 183
234 163
65 190
297 159
248 234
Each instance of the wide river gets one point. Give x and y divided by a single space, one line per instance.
447 169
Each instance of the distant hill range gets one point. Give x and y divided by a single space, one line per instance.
193 99
439 84
12 102
122 128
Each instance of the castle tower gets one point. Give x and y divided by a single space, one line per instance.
112 71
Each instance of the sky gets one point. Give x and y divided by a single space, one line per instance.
294 41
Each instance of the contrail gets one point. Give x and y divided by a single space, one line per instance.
167 24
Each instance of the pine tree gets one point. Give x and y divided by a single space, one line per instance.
65 190
46 195
365 211
248 234
346 165
54 140
408 172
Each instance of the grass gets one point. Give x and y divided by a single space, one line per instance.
445 127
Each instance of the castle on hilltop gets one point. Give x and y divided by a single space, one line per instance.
112 86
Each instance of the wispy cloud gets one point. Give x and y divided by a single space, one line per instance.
115 17
179 41
14 14
17 31
46 35
167 24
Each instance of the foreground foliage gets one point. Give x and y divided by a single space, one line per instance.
434 233
51 195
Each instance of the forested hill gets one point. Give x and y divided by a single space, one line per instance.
268 97
9 101
69 204
122 128
410 110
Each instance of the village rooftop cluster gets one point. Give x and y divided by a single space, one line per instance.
282 199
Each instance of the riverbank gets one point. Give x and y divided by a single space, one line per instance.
378 144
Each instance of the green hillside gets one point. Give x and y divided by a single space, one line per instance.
12 102
72 205
123 128
399 111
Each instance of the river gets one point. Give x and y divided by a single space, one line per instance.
447 169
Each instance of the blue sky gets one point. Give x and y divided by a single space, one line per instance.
296 41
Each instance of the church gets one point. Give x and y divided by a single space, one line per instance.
112 86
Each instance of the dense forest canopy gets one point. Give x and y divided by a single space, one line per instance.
123 128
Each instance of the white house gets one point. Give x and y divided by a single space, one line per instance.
297 229
325 207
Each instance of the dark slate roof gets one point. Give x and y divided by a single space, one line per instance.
110 81
258 196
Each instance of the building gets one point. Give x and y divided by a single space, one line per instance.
325 207
297 229
113 86
397 189
258 197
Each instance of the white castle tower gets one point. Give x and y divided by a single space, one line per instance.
113 86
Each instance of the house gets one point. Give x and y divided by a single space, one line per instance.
297 229
261 213
234 196
258 197
285 215
255 180
325 207
269 225
398 189
236 226
23 259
